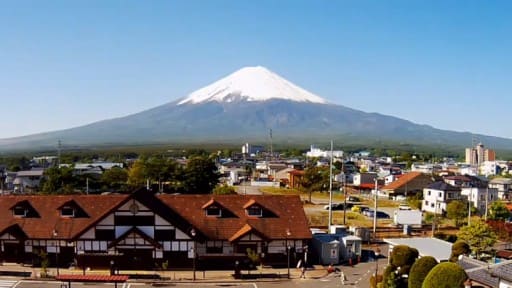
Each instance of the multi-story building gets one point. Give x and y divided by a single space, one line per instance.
480 197
504 187
478 154
437 195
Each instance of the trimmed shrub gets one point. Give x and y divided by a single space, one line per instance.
419 271
445 275
373 283
403 256
460 247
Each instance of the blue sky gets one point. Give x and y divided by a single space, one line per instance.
442 63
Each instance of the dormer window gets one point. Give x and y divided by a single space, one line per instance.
20 211
67 211
213 210
255 211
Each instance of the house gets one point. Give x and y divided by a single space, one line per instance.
408 184
504 186
483 274
437 195
480 197
28 180
142 230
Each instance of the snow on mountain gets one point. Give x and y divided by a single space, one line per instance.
251 84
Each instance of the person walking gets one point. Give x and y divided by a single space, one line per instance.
303 272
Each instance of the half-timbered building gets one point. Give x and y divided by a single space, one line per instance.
142 230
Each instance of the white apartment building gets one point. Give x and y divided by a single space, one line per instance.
504 187
437 196
480 197
317 152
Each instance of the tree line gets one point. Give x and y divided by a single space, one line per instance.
194 175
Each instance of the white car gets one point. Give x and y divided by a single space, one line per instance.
404 207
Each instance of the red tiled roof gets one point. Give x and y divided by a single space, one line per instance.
284 212
96 206
402 181
288 210
366 186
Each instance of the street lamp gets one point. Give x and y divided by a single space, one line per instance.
193 234
288 233
55 234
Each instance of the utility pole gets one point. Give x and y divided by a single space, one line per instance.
375 209
486 202
469 206
330 190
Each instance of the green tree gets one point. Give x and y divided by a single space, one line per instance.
414 201
460 247
445 275
201 175
388 277
58 180
498 211
420 270
478 235
400 261
136 175
457 211
224 190
115 178
312 177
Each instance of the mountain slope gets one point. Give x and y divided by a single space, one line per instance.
232 109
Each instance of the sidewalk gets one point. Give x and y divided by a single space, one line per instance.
260 274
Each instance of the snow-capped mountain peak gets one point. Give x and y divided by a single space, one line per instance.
251 84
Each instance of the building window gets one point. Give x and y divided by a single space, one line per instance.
214 247
165 235
213 211
19 211
440 194
426 203
255 211
67 212
122 220
105 234
428 192
432 205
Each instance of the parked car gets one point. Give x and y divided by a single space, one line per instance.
334 206
380 214
404 207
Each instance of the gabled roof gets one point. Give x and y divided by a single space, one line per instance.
280 213
246 229
402 180
287 209
138 232
96 206
443 186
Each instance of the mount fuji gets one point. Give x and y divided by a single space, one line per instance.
242 107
